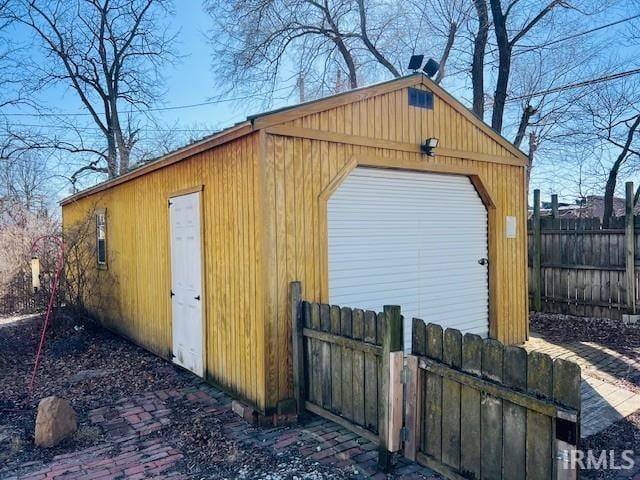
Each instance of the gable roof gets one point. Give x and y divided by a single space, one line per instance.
285 114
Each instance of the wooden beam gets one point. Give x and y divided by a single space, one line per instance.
554 205
313 134
391 342
629 241
362 432
297 346
396 361
499 391
537 247
342 341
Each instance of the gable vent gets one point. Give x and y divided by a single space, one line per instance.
420 98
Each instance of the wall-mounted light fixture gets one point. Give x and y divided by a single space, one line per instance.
429 145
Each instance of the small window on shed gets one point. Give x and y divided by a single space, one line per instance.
420 98
101 238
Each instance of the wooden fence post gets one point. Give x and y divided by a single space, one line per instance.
554 205
297 347
629 241
391 342
537 246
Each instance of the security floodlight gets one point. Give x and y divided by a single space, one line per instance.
429 145
415 62
431 67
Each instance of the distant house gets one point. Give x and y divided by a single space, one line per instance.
591 206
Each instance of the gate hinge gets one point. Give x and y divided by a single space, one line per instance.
405 375
404 434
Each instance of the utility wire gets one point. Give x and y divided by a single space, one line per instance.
528 48
584 83
96 129
158 109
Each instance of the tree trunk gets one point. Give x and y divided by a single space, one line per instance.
609 191
112 156
477 65
504 64
610 187
524 123
451 38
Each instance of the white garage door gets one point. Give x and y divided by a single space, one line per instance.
410 239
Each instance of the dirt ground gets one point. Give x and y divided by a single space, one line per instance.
624 434
92 368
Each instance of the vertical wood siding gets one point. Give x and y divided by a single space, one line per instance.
298 170
138 278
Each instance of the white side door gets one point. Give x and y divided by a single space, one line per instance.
412 239
186 282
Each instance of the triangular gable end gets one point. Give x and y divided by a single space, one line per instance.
456 113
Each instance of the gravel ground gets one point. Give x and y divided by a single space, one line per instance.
624 434
113 368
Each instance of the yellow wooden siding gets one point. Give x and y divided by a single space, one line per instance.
139 278
299 170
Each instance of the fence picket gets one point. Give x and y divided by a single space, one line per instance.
347 364
370 374
470 407
515 416
336 363
433 414
491 411
539 427
325 356
452 355
358 368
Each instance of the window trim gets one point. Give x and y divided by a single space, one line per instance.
101 265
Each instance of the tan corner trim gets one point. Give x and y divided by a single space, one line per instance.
186 191
312 134
334 101
265 273
223 137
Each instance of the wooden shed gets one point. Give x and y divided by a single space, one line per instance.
196 249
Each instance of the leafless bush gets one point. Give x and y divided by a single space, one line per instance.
85 287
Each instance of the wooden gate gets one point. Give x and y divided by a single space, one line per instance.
347 366
473 408
479 409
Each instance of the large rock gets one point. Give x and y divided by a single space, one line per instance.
56 420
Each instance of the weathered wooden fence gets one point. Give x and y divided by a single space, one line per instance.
473 408
347 365
577 267
17 295
479 409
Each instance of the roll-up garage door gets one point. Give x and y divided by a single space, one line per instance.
411 239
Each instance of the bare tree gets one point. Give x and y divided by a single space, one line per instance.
506 39
109 52
260 43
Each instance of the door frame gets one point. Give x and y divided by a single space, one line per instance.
199 189
424 166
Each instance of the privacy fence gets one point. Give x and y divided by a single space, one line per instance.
578 267
17 295
464 406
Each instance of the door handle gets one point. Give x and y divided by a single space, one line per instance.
171 294
483 261
197 298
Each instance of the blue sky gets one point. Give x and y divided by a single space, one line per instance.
191 80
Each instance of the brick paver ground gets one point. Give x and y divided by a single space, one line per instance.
134 447
604 399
